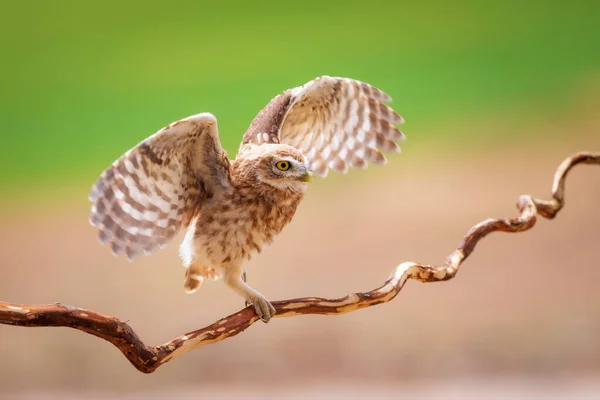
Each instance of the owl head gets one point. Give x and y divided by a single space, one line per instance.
278 165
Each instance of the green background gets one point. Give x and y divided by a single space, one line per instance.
82 82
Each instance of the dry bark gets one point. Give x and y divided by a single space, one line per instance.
147 359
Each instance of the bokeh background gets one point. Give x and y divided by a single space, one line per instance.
495 94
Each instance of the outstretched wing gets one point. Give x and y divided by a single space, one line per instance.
335 122
154 189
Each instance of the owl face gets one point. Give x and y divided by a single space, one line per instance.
284 168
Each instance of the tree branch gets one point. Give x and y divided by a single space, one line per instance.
147 359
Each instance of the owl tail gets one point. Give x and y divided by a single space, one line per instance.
195 275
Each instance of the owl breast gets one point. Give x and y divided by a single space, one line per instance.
234 226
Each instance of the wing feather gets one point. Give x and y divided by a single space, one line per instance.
144 198
336 122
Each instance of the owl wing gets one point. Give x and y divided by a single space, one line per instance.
335 122
142 200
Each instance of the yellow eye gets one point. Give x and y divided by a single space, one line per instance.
283 165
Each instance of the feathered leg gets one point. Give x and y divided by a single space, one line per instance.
234 278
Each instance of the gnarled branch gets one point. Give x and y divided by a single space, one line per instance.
147 359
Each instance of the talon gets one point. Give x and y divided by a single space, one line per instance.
264 309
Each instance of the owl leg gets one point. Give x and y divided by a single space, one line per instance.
192 281
246 303
234 278
197 273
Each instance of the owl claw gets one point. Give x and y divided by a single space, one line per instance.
263 308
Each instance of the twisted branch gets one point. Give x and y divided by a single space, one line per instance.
147 359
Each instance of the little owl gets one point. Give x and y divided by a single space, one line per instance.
181 177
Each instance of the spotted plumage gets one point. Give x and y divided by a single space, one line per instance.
181 178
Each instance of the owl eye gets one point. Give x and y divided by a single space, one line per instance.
283 165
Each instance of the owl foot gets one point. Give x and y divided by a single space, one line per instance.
236 280
263 308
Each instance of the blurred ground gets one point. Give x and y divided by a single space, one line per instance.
524 305
446 389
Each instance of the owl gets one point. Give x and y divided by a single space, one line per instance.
180 178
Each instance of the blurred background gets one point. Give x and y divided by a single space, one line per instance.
495 95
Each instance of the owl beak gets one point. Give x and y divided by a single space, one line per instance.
305 177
